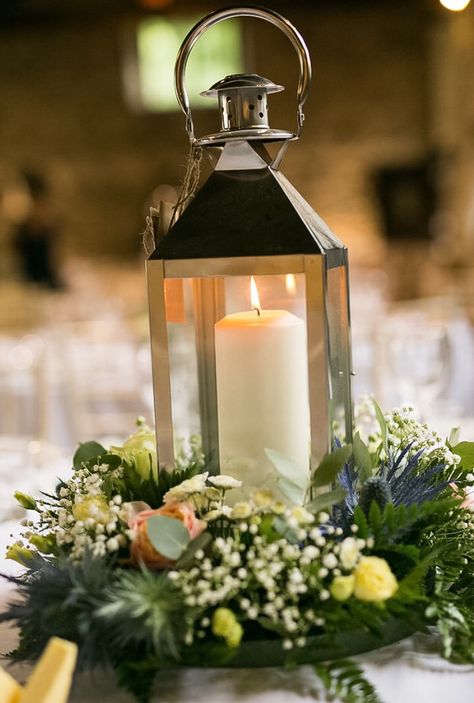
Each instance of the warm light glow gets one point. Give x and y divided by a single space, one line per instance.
455 5
290 283
254 299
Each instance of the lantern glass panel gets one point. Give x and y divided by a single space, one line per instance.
339 350
239 369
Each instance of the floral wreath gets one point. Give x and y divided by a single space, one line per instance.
148 569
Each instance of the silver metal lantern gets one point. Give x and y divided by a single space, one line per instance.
248 293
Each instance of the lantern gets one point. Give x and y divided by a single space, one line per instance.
248 293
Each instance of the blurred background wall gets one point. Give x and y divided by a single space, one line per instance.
386 158
389 81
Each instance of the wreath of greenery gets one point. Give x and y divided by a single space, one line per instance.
149 570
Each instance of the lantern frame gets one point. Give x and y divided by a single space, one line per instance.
196 248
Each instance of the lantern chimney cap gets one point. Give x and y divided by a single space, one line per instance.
242 99
242 82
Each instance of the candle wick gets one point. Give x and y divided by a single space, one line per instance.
257 310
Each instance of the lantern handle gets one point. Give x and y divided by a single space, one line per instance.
304 81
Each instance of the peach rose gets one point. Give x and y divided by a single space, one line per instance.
143 551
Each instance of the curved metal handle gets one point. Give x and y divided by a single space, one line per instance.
271 16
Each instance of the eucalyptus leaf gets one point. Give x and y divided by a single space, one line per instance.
466 452
281 526
330 466
288 469
383 425
326 500
362 460
200 542
87 451
291 491
168 535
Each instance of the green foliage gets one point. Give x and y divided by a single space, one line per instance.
144 609
330 466
400 522
292 480
137 675
132 486
326 500
200 542
466 451
382 424
362 459
345 681
168 535
25 500
87 451
58 598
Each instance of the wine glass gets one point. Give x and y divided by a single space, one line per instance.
419 361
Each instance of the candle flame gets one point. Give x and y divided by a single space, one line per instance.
254 299
290 283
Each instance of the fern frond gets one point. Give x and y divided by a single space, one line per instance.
345 681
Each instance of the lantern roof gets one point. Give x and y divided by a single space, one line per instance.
249 212
242 81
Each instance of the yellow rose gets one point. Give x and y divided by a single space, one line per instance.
94 507
342 587
225 624
374 580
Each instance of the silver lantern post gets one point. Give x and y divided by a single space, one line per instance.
247 221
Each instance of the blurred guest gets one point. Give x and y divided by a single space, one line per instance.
36 237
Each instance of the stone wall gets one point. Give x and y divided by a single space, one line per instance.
63 111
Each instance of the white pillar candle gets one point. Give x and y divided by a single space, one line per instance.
262 393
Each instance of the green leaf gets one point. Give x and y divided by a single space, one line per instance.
330 466
25 500
281 526
87 451
361 521
326 500
410 587
201 542
454 436
291 491
168 535
466 451
289 470
383 425
362 459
